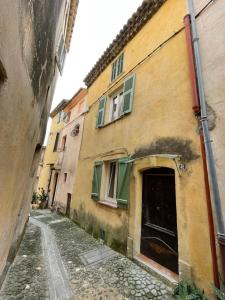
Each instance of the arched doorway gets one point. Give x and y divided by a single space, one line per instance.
159 220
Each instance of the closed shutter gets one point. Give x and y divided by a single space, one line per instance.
96 182
128 94
114 69
123 182
101 112
120 65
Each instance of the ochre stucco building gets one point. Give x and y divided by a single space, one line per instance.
48 173
140 183
35 37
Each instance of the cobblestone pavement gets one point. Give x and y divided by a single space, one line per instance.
27 278
93 271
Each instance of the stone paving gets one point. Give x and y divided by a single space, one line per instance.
27 276
92 270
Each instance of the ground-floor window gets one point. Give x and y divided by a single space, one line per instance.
114 187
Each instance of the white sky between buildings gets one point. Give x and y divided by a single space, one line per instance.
96 25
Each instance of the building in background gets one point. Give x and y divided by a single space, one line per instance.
49 176
140 182
34 38
70 139
40 167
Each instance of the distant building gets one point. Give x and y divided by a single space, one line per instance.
51 152
70 139
34 39
40 167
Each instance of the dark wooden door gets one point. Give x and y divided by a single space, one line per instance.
159 220
68 205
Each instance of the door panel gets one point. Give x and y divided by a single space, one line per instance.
159 221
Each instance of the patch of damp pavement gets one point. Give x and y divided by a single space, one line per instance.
26 278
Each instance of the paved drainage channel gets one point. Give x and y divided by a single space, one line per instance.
58 283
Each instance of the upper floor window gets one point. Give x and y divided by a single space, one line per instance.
61 54
56 142
63 143
61 116
118 104
117 67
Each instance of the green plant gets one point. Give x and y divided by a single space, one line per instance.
220 293
34 198
187 290
43 198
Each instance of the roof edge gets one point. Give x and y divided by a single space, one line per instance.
134 24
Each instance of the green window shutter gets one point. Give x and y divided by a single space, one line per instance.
101 112
96 182
123 182
120 65
128 94
114 70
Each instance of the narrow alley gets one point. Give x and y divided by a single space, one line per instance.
59 260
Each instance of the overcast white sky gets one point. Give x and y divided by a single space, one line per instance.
97 23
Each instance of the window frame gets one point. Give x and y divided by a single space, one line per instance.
63 142
110 99
56 142
109 199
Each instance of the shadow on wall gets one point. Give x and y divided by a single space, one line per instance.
114 237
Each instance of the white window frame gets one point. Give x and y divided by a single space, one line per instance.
107 198
119 111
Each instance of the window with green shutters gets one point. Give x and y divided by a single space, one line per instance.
117 67
117 182
96 181
101 112
119 104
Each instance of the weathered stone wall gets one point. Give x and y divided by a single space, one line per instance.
29 32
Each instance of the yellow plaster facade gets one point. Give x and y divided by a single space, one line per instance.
161 114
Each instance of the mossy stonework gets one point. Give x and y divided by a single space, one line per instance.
115 237
158 131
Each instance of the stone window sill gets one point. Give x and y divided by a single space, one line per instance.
107 203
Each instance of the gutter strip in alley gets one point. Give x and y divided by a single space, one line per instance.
58 282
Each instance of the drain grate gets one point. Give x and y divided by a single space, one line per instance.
97 255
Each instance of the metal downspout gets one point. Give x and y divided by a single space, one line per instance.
196 110
207 141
